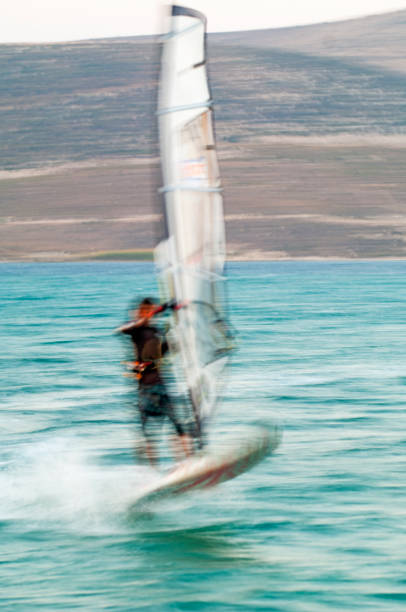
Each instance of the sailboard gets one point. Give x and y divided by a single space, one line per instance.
205 470
190 263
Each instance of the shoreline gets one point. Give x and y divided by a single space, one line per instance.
148 258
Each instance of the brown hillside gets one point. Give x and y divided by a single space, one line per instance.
311 136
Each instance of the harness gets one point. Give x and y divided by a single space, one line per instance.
139 367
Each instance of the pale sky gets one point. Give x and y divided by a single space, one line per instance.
58 20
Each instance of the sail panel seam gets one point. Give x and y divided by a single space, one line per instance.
184 31
171 188
176 109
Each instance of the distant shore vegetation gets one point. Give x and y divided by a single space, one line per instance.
136 255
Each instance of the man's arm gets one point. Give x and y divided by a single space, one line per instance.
127 328
172 304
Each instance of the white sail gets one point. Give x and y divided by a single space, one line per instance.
191 260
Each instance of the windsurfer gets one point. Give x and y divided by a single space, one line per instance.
153 400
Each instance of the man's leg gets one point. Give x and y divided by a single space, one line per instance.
182 445
149 449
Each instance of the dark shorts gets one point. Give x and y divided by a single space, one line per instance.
154 403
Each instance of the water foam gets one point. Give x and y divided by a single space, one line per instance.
59 483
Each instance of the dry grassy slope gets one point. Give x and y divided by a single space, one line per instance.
95 99
77 101
290 200
378 40
311 139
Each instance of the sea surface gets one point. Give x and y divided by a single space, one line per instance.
318 526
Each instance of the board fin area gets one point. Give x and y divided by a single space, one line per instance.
213 467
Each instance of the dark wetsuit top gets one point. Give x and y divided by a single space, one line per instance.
140 336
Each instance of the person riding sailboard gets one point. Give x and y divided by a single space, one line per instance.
190 264
153 400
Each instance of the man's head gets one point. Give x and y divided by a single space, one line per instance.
145 308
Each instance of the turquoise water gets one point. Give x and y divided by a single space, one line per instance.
318 526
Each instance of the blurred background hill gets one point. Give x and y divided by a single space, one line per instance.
310 123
